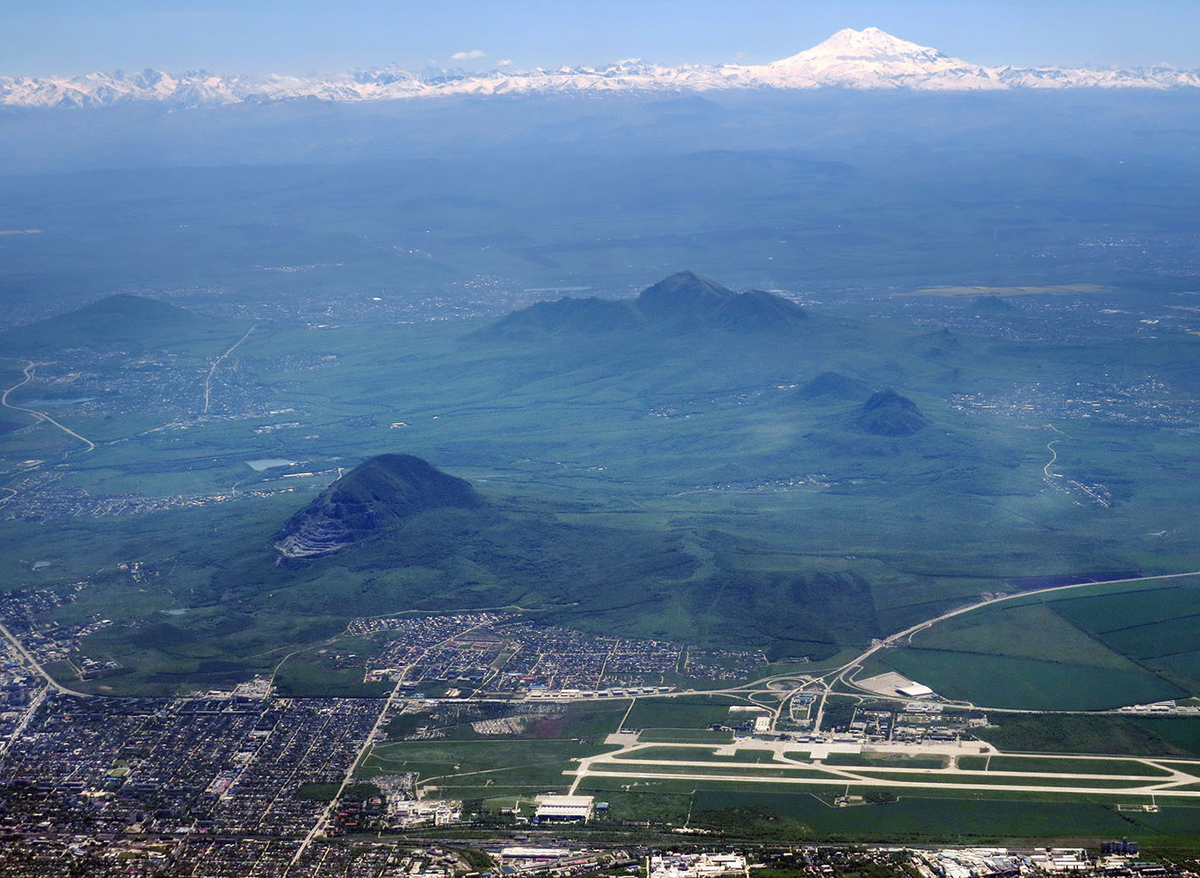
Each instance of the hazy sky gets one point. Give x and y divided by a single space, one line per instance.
302 36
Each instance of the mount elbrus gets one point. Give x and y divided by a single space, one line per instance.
866 59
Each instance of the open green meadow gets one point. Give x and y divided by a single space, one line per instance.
924 816
449 764
916 815
1079 649
1063 766
1117 734
685 712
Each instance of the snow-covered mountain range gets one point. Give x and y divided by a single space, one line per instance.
866 59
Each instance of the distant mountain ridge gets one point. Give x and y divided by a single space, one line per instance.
866 59
116 322
683 301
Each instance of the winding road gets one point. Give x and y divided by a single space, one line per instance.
1053 453
41 416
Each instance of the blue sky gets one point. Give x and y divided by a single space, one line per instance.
313 36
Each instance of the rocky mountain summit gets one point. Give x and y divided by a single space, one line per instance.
887 413
368 501
683 302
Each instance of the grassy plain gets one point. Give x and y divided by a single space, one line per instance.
1115 734
670 487
684 712
514 762
1087 648
1063 766
925 816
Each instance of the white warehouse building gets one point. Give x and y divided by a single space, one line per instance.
564 808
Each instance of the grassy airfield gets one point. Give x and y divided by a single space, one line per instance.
948 792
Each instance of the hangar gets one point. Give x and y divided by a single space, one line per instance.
565 809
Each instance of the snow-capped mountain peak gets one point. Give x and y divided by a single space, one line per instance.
872 58
858 59
869 42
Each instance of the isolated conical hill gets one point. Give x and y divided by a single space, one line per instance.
887 413
683 295
118 322
371 498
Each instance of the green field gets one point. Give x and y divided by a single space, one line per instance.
1085 649
684 712
1062 766
466 764
452 764
925 816
1117 734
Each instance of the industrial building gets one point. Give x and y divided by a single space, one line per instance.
532 854
705 865
564 809
914 690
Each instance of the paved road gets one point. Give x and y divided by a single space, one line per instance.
365 749
25 720
41 416
1053 453
54 684
217 362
